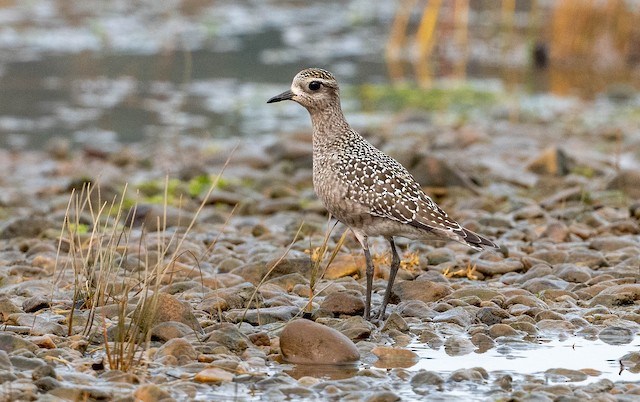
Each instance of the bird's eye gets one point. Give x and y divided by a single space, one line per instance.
314 85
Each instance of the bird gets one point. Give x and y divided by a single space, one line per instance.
364 188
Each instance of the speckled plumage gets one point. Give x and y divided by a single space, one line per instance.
361 186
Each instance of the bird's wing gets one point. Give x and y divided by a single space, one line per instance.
389 191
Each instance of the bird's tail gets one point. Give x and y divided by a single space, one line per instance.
476 241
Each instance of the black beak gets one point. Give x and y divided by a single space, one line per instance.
286 95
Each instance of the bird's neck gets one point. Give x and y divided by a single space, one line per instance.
329 125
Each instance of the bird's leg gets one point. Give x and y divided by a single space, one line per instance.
367 305
395 264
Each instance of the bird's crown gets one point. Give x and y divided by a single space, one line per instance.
316 73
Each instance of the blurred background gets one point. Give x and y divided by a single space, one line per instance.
103 72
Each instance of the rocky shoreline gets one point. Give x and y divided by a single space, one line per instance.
558 189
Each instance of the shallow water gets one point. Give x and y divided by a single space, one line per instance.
525 362
521 358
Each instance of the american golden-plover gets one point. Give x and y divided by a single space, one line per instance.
367 190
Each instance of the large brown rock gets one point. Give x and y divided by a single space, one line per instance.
306 342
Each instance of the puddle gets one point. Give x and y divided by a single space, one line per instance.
535 359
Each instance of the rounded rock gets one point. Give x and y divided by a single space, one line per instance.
343 303
306 342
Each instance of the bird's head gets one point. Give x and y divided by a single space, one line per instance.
313 88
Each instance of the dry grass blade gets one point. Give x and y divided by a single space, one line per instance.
98 238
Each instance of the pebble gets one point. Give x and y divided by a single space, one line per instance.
169 330
213 375
422 290
229 336
456 315
151 393
263 316
563 374
176 351
498 330
394 357
346 303
458 346
165 308
482 342
425 382
491 315
476 374
306 342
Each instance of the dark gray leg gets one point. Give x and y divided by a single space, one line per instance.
367 256
395 264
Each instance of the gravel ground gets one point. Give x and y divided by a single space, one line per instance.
557 186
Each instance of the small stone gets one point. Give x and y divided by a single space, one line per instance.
260 339
482 342
552 161
395 322
169 330
151 393
344 302
263 316
165 307
43 371
343 265
425 382
456 315
481 292
612 243
631 362
627 181
431 339
46 384
28 227
617 295
491 315
178 350
548 315
457 346
527 327
22 363
213 375
394 357
255 272
39 324
572 273
5 362
234 297
537 285
36 303
564 375
229 336
7 308
425 291
475 374
306 342
490 268
415 308
498 330
440 255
